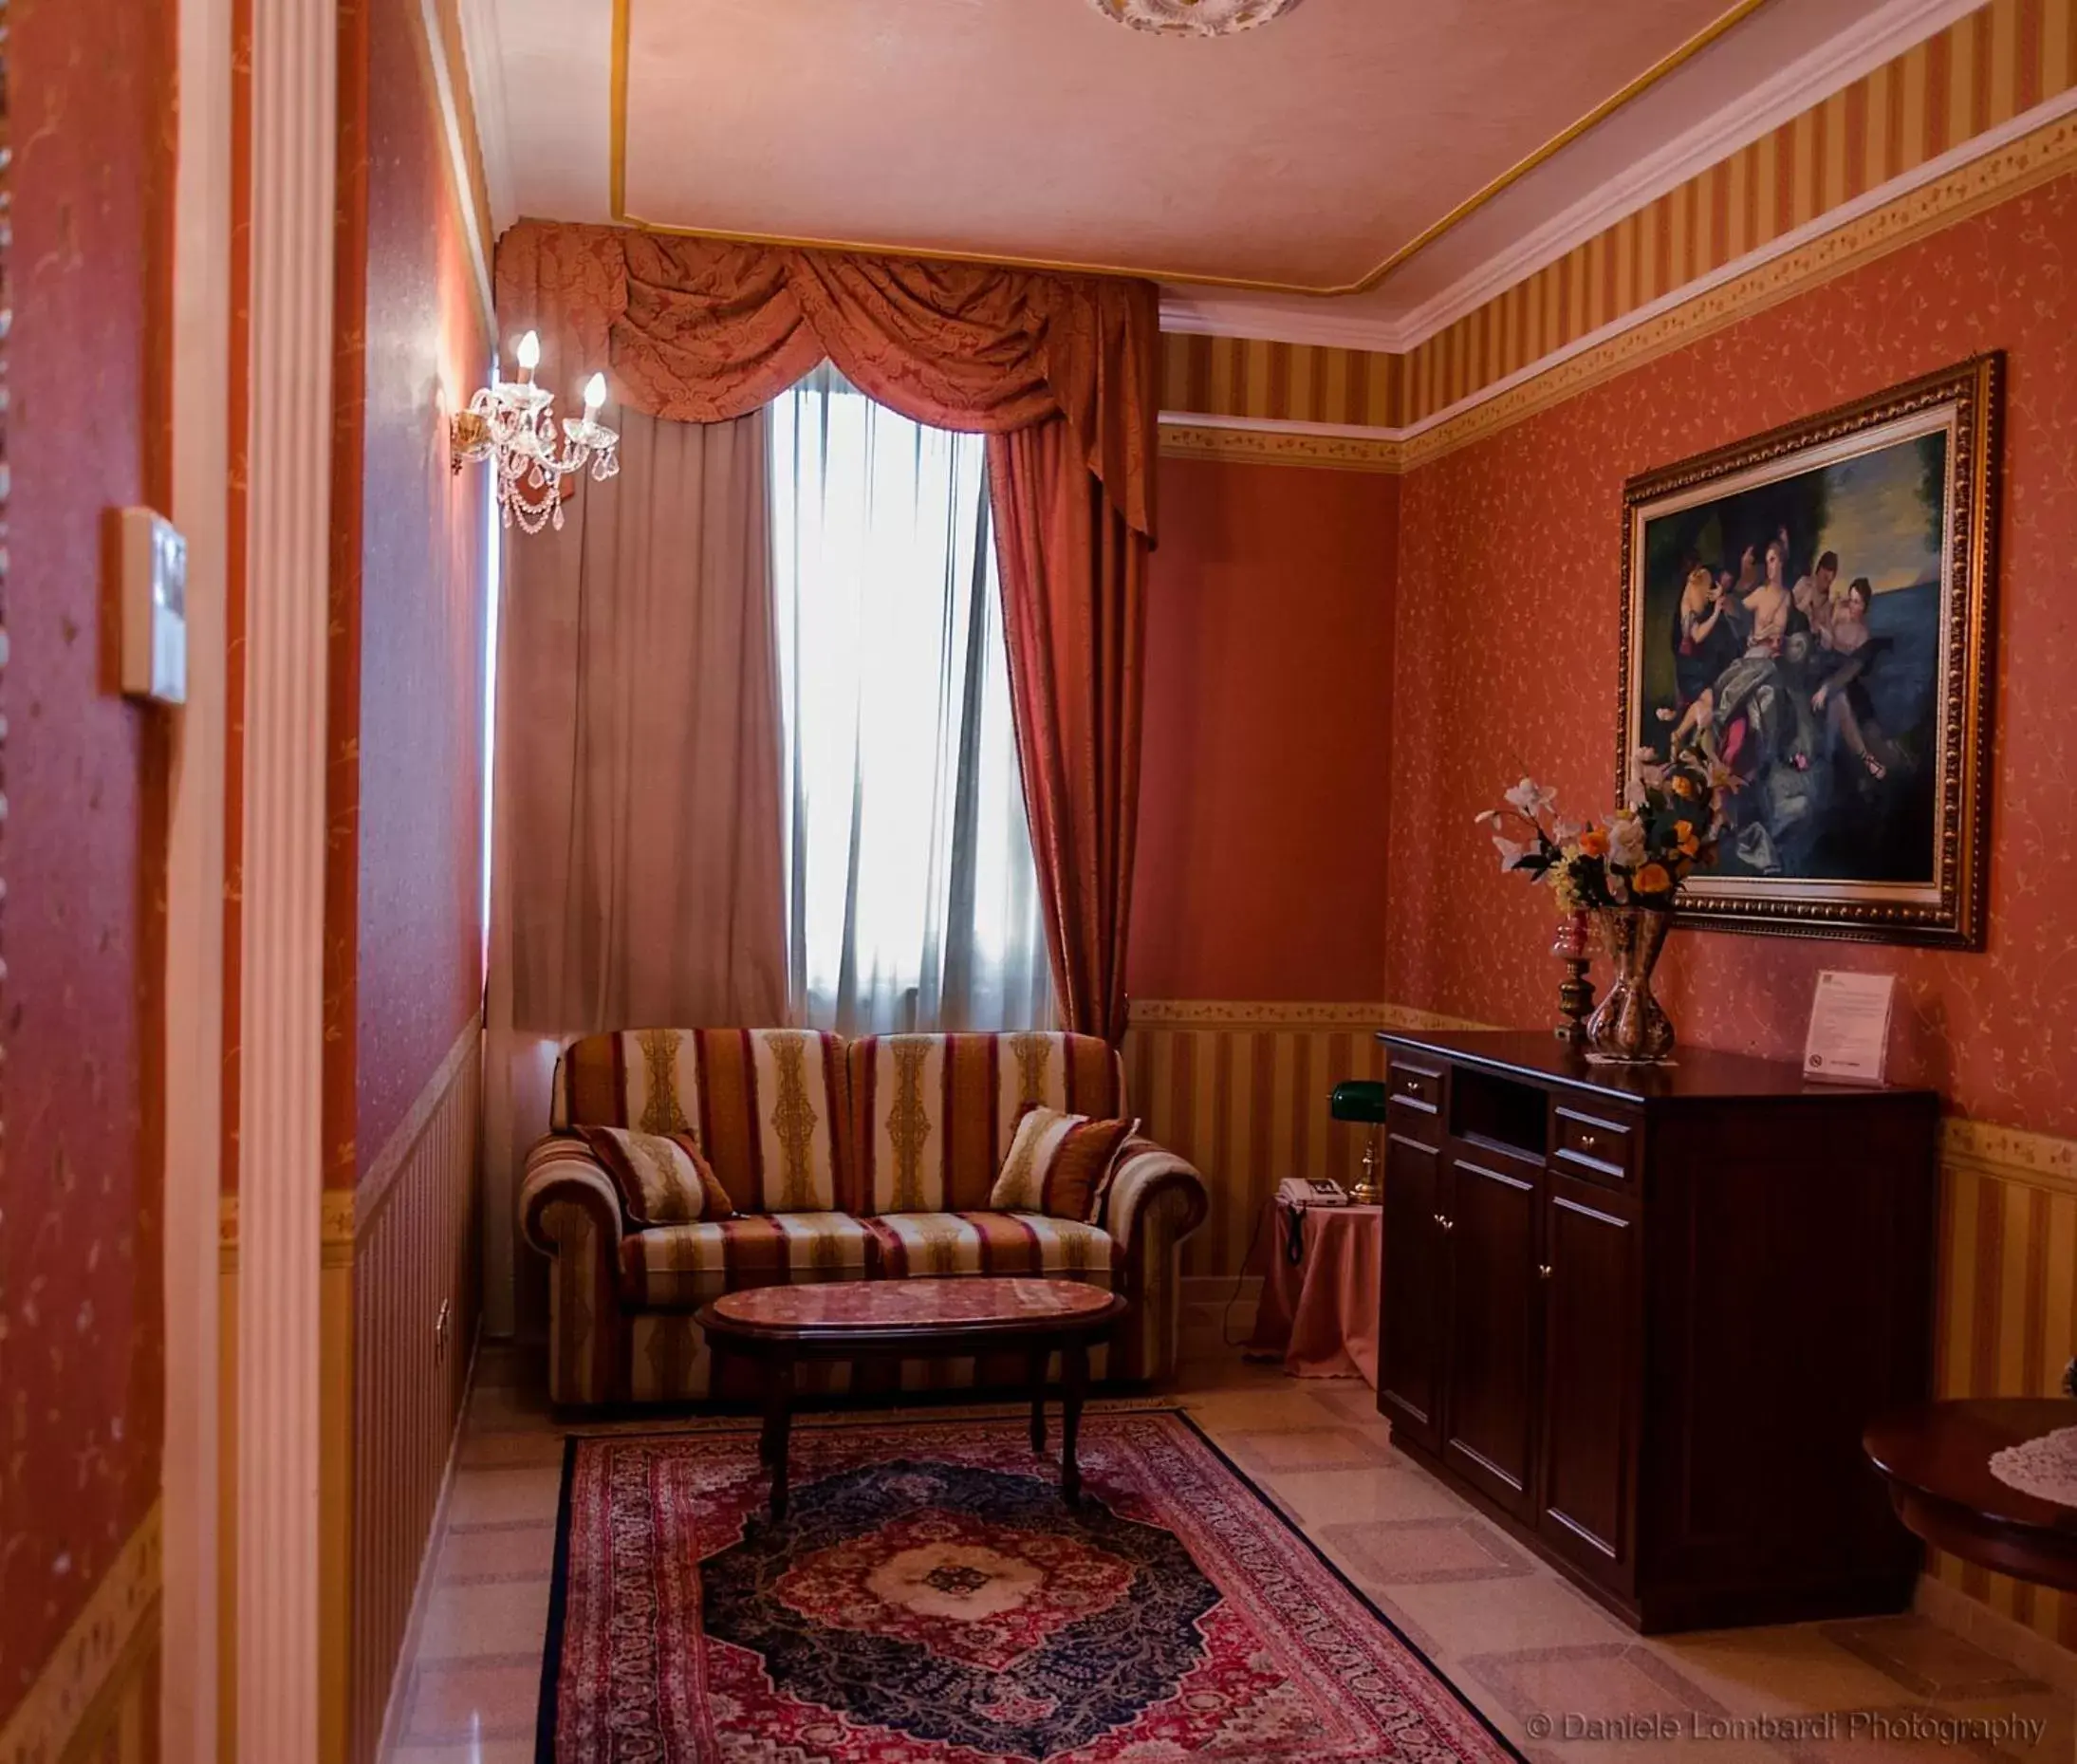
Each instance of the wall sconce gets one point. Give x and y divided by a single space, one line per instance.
512 423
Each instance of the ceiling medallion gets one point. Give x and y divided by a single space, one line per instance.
1194 18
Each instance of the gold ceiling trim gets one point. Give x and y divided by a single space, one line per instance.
617 185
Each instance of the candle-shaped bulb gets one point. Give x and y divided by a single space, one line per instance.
593 394
529 352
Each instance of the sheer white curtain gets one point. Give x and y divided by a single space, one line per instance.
912 901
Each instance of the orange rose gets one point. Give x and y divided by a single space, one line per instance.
1684 837
1594 842
1683 784
1653 879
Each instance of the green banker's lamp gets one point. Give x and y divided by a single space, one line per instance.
1361 1098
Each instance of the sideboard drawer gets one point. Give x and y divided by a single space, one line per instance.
1415 1090
1594 1146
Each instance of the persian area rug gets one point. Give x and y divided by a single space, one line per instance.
930 1599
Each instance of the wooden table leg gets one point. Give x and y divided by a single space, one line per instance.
1074 1383
778 1422
1036 1368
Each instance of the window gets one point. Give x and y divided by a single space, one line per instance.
912 898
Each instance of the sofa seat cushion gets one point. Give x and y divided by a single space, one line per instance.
990 1243
683 1267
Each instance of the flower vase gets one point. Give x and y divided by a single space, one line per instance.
1629 1024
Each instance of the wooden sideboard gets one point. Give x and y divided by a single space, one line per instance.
1641 1316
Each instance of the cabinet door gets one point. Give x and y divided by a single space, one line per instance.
1489 1408
1410 1321
1590 1334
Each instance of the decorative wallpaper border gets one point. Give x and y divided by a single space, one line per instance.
2010 1154
1281 447
1229 1013
336 1231
85 1667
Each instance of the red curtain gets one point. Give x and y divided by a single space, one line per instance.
1059 371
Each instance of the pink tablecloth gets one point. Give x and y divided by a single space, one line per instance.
1322 1315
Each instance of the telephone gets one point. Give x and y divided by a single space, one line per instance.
1297 1190
1294 1194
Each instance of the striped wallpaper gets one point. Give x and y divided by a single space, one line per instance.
1965 83
1241 1090
1285 381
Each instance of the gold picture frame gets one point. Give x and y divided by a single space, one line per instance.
1814 608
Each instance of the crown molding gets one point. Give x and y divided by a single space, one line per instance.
1988 168
483 54
474 222
1798 86
1811 78
1194 312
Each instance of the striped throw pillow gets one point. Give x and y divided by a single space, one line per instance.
663 1179
1059 1164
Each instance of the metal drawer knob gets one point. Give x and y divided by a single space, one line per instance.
1542 1271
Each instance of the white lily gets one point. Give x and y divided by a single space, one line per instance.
1532 798
1512 850
1626 841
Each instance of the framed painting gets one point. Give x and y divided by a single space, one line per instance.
1811 609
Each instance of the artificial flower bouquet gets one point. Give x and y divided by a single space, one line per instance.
1639 856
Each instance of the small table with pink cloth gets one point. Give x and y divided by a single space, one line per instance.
1320 1317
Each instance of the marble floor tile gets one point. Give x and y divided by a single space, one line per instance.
1620 1681
452 1703
499 1496
1393 1553
1493 1618
483 1617
1395 1490
1926 1660
521 1550
1293 1450
1786 1669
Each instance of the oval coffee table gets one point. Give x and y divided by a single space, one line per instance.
780 1326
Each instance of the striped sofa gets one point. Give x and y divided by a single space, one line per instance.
866 1160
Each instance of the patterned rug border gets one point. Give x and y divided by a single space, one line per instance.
552 1653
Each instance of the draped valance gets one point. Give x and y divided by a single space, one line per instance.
704 331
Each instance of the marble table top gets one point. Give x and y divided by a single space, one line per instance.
964 1303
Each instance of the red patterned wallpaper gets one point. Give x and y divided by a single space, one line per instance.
417 970
1262 795
1508 598
82 1343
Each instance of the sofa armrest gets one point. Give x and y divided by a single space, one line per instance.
1156 1200
570 1210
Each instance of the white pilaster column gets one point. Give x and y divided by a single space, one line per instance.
294 148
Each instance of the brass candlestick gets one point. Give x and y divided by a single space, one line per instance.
1575 992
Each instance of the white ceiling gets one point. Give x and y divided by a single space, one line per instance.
1305 154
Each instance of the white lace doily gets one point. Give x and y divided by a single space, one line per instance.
2046 1467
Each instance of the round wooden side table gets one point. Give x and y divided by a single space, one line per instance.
1937 1458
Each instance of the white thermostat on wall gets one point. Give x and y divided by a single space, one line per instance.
153 558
